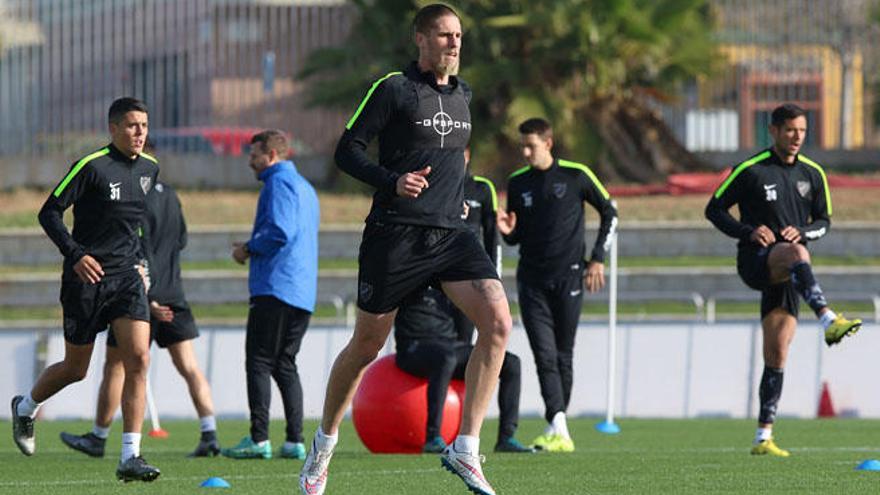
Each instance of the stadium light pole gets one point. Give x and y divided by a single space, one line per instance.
608 426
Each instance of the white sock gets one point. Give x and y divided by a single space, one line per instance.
28 407
763 434
208 423
100 432
827 318
325 442
549 429
289 445
467 444
131 446
560 426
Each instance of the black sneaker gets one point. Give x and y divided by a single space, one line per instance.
206 448
22 429
89 443
512 445
136 469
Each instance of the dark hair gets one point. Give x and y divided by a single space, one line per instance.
786 111
271 139
428 15
536 125
122 106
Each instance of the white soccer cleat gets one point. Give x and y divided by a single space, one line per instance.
22 429
313 477
468 468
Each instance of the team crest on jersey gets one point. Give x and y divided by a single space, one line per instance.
146 182
527 199
559 189
803 188
159 187
365 291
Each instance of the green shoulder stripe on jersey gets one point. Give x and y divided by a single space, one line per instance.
824 179
738 170
491 189
360 108
585 169
150 157
519 172
76 168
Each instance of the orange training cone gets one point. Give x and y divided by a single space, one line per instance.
826 408
158 433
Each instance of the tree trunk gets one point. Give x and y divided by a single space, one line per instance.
641 146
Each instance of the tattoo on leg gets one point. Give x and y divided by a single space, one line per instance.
490 289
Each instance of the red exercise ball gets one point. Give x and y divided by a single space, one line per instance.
390 409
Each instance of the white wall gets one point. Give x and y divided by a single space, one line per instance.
664 370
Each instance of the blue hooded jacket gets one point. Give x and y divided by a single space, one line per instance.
284 242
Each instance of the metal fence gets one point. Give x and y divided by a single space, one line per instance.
209 70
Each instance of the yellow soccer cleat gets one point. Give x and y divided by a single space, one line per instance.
552 442
769 447
840 328
542 441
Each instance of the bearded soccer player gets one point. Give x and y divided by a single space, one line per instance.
415 237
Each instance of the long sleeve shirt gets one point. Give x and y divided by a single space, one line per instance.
772 193
549 207
164 237
418 124
108 193
482 201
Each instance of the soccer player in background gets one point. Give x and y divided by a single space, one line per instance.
429 345
414 236
784 202
481 209
172 327
103 280
545 203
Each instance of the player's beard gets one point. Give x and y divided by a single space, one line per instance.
450 69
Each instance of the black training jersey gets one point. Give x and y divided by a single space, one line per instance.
772 193
164 238
482 201
549 207
424 314
108 193
419 124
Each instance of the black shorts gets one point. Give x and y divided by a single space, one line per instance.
89 308
396 260
751 264
181 328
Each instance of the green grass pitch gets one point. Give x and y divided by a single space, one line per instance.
705 456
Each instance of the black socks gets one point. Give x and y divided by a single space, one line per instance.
769 393
805 283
